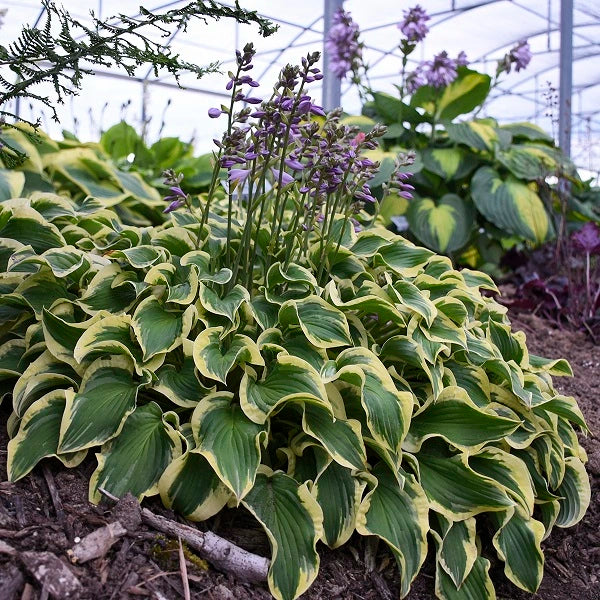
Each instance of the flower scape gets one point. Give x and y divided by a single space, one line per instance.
272 346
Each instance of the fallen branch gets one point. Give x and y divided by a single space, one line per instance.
222 554
97 543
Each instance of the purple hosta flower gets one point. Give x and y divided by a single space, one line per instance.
364 194
177 198
588 238
286 178
238 175
342 45
398 180
214 113
357 226
441 71
520 55
414 25
415 80
461 59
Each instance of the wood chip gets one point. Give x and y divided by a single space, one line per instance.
97 543
50 572
7 549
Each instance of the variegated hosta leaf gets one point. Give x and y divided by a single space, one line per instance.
370 299
114 335
574 493
387 410
338 492
323 325
456 418
229 440
27 226
293 521
11 353
404 258
180 383
45 373
477 586
288 377
511 205
190 487
288 284
409 295
457 547
135 460
399 516
215 353
458 492
159 328
106 292
96 413
443 225
11 184
509 471
228 305
201 262
340 437
181 281
517 542
38 437
140 257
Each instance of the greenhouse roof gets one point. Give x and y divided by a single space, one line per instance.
484 29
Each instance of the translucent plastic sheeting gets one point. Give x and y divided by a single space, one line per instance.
484 29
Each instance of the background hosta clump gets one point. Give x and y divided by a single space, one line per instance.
260 349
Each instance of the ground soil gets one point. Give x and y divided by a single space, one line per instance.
145 564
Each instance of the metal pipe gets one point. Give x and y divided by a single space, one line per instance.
332 86
566 76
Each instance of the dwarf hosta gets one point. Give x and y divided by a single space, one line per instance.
394 401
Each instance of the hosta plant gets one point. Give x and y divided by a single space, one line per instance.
261 350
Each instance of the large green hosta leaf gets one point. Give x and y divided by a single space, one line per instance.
449 163
399 517
215 357
97 412
11 184
477 586
190 487
457 547
288 377
386 409
135 460
27 226
574 493
458 492
293 521
38 437
517 542
479 134
464 94
511 205
338 492
180 383
445 225
159 328
456 418
229 440
323 325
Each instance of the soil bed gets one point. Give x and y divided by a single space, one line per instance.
144 563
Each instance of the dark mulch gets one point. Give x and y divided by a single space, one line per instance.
145 564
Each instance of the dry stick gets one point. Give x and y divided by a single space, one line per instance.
224 555
57 502
183 570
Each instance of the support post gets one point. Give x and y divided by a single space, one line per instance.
332 86
566 76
